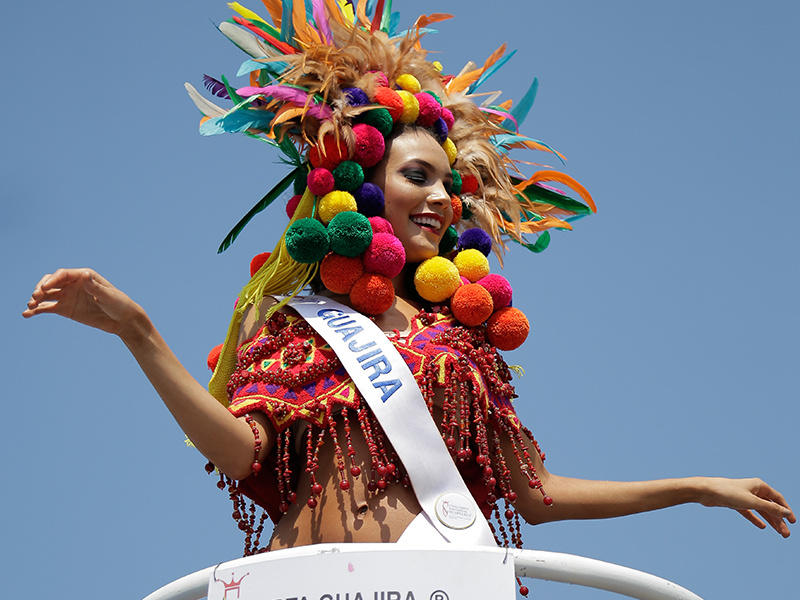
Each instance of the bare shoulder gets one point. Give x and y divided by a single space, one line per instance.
253 318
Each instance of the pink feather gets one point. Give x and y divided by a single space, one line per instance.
288 94
321 19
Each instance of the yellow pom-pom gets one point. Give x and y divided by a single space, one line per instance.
335 202
450 149
472 264
437 279
409 83
410 107
437 65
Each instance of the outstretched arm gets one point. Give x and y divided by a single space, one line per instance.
585 499
84 296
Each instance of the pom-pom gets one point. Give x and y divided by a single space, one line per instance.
370 145
455 202
292 204
465 281
349 175
429 109
380 78
379 118
339 273
369 198
507 328
329 155
436 279
435 97
350 233
307 241
385 255
391 100
471 304
437 65
257 261
381 225
334 203
409 83
475 238
472 264
466 213
372 294
356 96
213 357
469 183
450 150
410 107
449 240
320 181
455 187
448 117
499 288
299 183
439 130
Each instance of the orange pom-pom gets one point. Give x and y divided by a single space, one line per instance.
455 202
340 273
213 357
257 261
472 304
508 328
372 294
329 155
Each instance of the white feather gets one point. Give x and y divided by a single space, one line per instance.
247 41
206 107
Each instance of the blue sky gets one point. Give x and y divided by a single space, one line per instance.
665 327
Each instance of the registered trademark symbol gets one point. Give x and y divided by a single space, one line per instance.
439 595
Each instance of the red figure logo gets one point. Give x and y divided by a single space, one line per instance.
231 587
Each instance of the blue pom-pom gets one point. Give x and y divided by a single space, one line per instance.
440 130
356 96
369 198
475 238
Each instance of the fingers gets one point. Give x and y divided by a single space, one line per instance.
747 514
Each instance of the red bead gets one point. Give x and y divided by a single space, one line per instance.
509 514
344 484
381 470
283 507
390 468
256 467
487 472
480 459
221 485
316 489
209 467
512 496
291 497
451 442
372 486
381 484
312 503
548 501
355 471
523 589
491 482
461 454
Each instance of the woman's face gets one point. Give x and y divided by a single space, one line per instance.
416 179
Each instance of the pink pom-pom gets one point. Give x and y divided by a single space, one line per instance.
292 204
380 79
320 181
448 117
499 288
370 145
385 255
429 109
465 281
380 225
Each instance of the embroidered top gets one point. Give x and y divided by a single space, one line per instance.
288 372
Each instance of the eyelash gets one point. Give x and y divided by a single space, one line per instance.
419 177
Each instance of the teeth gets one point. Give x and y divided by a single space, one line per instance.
430 221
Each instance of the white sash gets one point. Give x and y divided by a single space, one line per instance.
388 387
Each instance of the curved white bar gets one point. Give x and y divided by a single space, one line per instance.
536 564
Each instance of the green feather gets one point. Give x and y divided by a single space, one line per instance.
262 204
539 194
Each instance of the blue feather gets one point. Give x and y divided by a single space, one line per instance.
287 26
520 111
490 71
236 122
248 66
503 140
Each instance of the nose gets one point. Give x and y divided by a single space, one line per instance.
439 195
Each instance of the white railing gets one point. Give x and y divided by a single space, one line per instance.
535 564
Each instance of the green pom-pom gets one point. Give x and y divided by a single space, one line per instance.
457 182
448 240
307 241
379 118
466 213
300 181
348 175
350 233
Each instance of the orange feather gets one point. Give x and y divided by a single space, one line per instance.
545 176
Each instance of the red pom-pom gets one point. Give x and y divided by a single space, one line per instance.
330 155
508 328
372 294
471 304
292 204
390 99
448 117
380 225
320 181
469 183
385 255
499 288
429 109
339 273
213 357
455 202
370 145
257 261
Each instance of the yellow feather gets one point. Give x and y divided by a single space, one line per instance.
245 12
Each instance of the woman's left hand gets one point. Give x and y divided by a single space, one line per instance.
748 497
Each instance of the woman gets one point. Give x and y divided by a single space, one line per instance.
416 179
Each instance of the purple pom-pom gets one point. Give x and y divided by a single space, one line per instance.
475 238
380 225
440 130
356 96
369 198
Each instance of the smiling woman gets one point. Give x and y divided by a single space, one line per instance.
398 176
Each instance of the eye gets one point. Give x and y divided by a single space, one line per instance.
417 176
